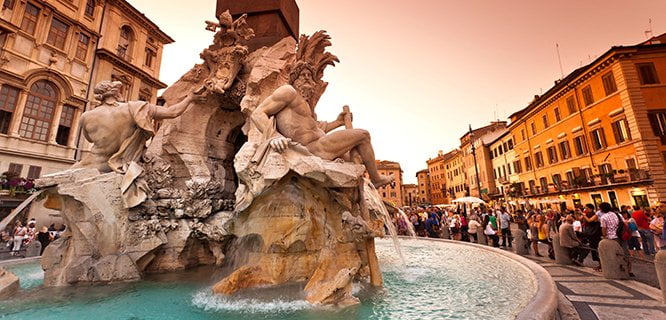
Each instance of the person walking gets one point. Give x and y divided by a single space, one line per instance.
543 234
643 223
534 233
592 232
505 224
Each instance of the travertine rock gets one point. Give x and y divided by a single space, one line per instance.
9 284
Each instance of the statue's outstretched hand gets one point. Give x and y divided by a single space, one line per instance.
280 144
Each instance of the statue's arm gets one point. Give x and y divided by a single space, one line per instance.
272 105
174 110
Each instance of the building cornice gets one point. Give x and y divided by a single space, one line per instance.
134 70
152 28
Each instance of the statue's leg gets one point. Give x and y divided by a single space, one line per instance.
337 143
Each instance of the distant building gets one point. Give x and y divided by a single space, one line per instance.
456 178
410 194
51 55
423 183
503 158
480 139
599 134
437 169
392 192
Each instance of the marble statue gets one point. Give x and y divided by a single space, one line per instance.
291 108
118 144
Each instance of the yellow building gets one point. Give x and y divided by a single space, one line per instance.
51 54
456 178
423 182
437 174
391 193
410 194
475 146
599 134
502 154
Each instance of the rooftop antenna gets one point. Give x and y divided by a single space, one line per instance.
648 32
559 59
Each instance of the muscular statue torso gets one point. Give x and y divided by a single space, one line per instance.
107 127
296 120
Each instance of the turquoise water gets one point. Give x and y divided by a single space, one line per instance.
439 281
31 275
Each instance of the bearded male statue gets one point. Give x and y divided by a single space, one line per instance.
290 108
119 131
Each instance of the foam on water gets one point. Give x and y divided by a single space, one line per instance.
206 300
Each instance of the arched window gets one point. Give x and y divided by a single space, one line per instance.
125 42
39 109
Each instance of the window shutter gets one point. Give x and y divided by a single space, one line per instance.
655 124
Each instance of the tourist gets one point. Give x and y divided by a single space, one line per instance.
521 221
432 226
568 239
473 226
635 242
490 230
612 225
454 226
44 237
543 235
464 227
657 226
643 223
592 232
505 224
534 232
19 235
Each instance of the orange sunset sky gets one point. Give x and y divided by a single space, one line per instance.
417 73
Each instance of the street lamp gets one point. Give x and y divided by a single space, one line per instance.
476 168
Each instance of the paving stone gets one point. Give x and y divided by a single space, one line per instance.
623 313
595 289
562 272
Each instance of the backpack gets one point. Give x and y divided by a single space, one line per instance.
623 232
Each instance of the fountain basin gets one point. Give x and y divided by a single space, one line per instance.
441 279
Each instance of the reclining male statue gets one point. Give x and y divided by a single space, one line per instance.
293 110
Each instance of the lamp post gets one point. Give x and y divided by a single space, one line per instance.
476 168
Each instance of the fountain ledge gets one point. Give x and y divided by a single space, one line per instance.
544 304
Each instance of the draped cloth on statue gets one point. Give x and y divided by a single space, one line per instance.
134 189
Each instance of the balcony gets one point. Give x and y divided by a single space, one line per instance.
503 180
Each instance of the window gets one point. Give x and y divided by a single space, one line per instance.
588 98
544 184
82 47
598 139
570 178
29 22
557 181
557 115
57 34
609 83
8 4
658 122
8 98
545 121
538 159
522 134
517 167
528 163
552 155
565 152
510 144
15 168
125 42
65 125
150 56
534 132
571 104
38 113
579 145
532 186
90 8
647 73
34 172
621 131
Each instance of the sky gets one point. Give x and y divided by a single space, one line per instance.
417 73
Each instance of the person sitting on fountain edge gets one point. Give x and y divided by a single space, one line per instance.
293 109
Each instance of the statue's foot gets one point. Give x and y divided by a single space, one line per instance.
382 181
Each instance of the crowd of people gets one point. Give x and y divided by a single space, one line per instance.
21 234
639 231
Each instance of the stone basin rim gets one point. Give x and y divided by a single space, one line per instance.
544 304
